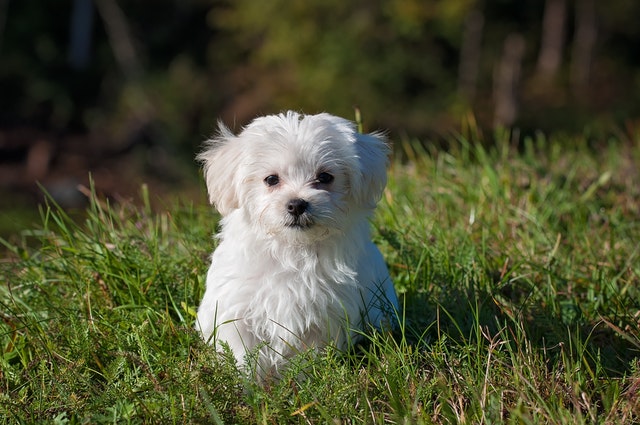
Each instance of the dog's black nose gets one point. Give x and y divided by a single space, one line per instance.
296 207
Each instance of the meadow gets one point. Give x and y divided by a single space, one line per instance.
517 262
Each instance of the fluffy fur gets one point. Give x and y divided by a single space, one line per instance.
295 267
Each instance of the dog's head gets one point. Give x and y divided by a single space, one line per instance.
297 176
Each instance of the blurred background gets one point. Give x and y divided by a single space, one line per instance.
127 90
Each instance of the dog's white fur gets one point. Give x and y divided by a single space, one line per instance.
280 281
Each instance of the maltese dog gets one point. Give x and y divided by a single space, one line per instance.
295 268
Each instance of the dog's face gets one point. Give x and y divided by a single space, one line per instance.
300 178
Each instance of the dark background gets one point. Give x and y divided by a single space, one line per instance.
128 89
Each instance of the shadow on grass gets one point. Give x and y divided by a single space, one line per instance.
464 315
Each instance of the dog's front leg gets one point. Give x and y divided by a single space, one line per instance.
236 335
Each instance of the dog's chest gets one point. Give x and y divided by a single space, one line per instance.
300 300
285 292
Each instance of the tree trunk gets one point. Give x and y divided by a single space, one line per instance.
120 38
80 33
470 55
552 38
584 42
507 80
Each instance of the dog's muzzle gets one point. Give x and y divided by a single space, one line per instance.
299 216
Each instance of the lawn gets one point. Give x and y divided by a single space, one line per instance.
518 266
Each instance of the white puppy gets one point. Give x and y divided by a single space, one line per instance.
295 267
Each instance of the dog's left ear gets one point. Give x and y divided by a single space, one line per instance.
373 152
221 160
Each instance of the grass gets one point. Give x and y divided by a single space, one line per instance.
518 268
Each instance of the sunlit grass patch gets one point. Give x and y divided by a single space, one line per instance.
518 270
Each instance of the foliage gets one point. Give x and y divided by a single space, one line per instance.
400 61
517 269
332 54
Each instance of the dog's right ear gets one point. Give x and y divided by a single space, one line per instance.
221 160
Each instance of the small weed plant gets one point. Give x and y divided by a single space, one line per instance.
518 268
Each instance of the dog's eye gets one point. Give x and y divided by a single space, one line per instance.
272 180
324 178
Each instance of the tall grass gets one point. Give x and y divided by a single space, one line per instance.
518 271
